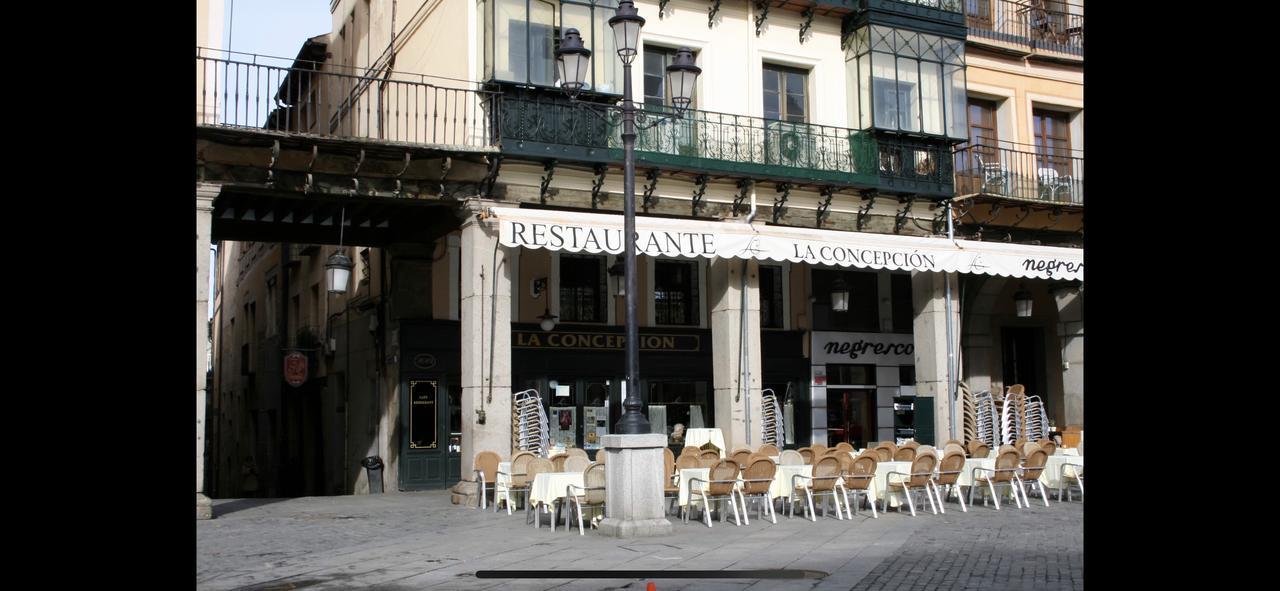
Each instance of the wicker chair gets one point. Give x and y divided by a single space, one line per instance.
576 463
807 454
889 447
921 477
791 457
912 443
601 456
557 462
948 474
904 454
973 449
709 458
1031 470
518 479
926 449
1071 473
690 449
720 486
1020 443
1027 448
687 462
536 467
592 495
1048 446
1005 473
669 490
955 441
824 482
741 457
819 450
951 448
485 473
1015 448
769 449
844 447
859 479
756 479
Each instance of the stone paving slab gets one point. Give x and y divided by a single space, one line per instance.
420 540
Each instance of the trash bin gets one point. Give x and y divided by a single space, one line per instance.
373 468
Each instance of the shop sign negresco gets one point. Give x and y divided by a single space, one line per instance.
862 347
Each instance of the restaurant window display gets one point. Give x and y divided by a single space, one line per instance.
582 288
678 405
675 292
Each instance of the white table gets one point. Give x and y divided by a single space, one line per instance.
881 485
1066 451
781 486
698 437
966 473
687 474
549 486
1050 476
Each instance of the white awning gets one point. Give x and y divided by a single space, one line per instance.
597 233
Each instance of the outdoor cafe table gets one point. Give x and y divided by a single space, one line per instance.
699 437
1052 473
1066 451
782 478
685 475
882 480
549 486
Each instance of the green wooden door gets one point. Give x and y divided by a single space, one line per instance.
425 434
924 421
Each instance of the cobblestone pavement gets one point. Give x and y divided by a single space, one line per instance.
421 541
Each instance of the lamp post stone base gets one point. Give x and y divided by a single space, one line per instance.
204 507
633 494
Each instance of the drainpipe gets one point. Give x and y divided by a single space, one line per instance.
951 354
744 355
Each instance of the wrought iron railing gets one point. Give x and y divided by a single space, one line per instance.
944 5
701 140
914 165
1019 171
276 94
1052 25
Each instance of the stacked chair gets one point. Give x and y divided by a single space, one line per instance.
1011 424
771 421
529 429
985 417
1037 423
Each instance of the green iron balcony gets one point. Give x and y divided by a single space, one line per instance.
702 142
1052 26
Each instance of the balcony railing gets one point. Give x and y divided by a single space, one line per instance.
910 165
1018 171
297 97
701 141
1051 25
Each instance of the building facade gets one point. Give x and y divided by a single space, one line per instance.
827 146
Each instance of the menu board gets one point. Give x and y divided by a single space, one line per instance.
595 425
563 426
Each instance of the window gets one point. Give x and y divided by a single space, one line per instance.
900 299
771 297
864 301
785 94
1053 140
677 136
906 375
682 402
656 93
675 292
908 81
522 36
582 289
848 374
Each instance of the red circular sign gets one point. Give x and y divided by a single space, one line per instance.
295 369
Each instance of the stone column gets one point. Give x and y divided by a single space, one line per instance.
633 481
205 194
978 341
739 422
930 339
1070 303
486 341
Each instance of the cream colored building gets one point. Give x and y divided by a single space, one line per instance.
795 126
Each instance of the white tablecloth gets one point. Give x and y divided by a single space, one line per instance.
685 475
698 437
966 474
1066 451
781 486
882 480
549 486
1053 469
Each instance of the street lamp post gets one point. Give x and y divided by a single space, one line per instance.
572 60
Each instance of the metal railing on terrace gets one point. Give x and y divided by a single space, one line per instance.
1051 25
237 90
701 140
1020 171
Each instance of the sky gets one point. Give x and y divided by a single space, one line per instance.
269 27
273 27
